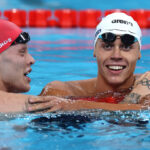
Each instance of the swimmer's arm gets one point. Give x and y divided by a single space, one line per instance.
15 103
141 91
78 105
12 102
51 104
131 98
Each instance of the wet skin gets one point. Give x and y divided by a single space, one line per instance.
15 65
116 63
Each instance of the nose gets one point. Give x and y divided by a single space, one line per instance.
116 53
31 60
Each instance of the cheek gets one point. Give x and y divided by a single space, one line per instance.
12 66
101 58
132 59
99 61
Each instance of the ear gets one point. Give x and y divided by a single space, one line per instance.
139 57
94 53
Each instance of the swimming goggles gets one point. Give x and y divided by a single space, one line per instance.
24 37
126 39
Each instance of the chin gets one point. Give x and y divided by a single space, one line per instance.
27 89
24 89
116 82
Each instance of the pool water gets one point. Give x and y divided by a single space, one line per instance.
67 54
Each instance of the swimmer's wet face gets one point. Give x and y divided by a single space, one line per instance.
117 45
116 60
15 65
15 61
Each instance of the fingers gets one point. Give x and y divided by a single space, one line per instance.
48 104
38 107
145 75
40 99
143 80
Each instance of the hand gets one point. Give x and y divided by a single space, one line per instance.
141 89
145 101
48 104
142 85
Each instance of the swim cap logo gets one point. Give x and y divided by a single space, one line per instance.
97 32
5 42
122 22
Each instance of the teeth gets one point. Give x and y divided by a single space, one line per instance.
26 73
115 67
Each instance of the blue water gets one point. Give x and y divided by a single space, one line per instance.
76 4
67 54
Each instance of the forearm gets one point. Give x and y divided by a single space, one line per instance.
80 104
11 102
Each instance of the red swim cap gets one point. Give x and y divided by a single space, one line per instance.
8 34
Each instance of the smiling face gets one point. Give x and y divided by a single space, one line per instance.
116 62
15 64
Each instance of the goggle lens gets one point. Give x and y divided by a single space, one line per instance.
126 39
24 37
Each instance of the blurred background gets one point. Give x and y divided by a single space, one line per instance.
76 4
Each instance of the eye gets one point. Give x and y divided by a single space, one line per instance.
22 52
107 46
126 47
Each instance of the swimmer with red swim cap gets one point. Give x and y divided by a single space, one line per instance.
15 61
15 65
117 46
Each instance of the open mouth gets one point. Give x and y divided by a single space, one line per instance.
27 73
115 67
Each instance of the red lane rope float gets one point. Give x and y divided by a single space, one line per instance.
39 18
52 23
89 18
66 18
16 16
107 12
141 16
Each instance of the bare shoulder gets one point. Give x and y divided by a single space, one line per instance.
55 88
68 88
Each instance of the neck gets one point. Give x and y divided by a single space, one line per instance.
2 87
103 86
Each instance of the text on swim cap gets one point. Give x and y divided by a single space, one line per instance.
122 22
5 42
97 32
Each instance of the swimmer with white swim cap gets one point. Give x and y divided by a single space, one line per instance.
117 46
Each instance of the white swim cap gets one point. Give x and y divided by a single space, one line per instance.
119 24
